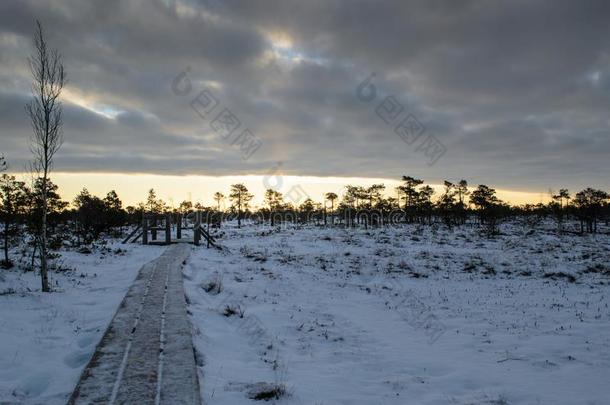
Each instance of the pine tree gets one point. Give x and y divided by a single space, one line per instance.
424 203
153 204
273 200
485 200
410 189
558 208
241 197
446 203
589 203
91 212
115 215
331 197
218 197
14 195
462 193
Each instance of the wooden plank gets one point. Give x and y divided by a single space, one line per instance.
131 234
145 231
168 229
138 236
146 355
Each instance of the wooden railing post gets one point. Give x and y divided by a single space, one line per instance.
208 229
154 227
197 233
168 228
144 230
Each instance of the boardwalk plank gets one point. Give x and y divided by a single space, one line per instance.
128 365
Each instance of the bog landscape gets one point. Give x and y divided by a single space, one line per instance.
317 203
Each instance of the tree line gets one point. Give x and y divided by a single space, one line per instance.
88 217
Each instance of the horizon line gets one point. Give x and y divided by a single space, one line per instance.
181 187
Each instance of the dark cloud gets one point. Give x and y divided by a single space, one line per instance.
518 91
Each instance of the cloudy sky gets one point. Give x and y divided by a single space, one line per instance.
516 94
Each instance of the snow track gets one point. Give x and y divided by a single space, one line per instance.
146 355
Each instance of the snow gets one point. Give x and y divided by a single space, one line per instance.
322 316
47 339
400 315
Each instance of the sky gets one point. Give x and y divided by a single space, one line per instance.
186 95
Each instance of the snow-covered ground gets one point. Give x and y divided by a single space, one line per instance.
403 315
47 339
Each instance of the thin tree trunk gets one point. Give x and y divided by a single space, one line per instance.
45 113
34 254
239 212
44 276
6 242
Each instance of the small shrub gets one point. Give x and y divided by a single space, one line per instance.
470 267
232 310
402 265
6 264
266 392
557 275
489 270
85 250
256 256
213 287
598 268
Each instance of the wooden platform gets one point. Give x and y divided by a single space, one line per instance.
146 355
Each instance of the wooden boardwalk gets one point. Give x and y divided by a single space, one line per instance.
146 355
